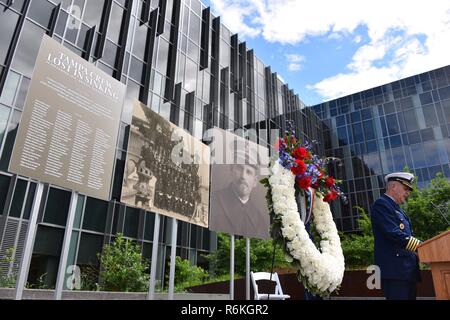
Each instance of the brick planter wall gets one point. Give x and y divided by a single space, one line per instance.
353 285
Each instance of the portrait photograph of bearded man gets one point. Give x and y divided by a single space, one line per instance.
238 204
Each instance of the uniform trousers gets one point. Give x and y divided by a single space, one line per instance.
399 289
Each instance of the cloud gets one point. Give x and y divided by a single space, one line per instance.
357 39
404 36
234 15
294 61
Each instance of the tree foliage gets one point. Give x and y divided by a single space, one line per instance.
7 280
358 247
261 255
426 220
186 274
422 208
123 267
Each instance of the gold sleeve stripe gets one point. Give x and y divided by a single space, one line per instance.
416 245
412 245
408 246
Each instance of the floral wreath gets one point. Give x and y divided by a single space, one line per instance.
295 171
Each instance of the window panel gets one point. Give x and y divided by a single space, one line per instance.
20 101
136 69
392 124
18 4
61 23
4 186
418 156
18 197
194 28
4 116
115 22
163 53
93 12
110 53
149 226
426 98
90 246
41 12
369 130
8 24
191 75
9 141
430 116
358 133
411 120
131 222
57 207
95 215
10 88
193 51
139 42
27 48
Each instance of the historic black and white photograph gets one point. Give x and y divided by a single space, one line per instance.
166 170
238 204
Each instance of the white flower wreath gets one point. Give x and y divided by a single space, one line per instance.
320 271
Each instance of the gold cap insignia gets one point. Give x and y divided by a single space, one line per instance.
402 226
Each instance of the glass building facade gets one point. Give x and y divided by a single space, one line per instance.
179 60
175 57
402 124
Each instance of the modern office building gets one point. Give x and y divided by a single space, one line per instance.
175 57
405 123
179 60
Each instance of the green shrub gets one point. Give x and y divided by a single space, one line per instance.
261 256
123 268
358 247
187 275
426 220
7 280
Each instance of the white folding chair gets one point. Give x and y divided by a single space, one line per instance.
277 295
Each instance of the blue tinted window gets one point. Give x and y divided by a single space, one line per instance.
371 146
358 133
366 114
414 137
418 155
444 93
355 116
411 120
392 124
426 98
396 141
342 135
427 134
389 108
369 130
340 121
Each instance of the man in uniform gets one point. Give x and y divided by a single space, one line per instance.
394 245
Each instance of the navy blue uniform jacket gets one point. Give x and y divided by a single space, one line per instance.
392 232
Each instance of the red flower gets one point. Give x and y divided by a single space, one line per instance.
301 153
304 183
300 167
329 182
330 196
